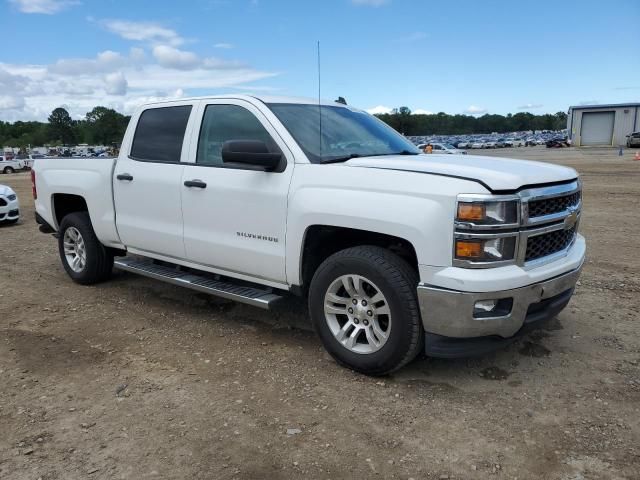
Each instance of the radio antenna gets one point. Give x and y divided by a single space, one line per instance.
319 101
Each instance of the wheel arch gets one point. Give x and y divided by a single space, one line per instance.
321 241
62 204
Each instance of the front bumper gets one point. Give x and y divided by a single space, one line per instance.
10 211
449 314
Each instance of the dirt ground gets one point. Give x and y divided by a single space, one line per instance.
137 379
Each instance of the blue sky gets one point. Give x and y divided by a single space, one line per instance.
453 56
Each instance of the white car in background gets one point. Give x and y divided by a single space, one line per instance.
447 148
10 165
490 144
9 205
514 142
476 144
28 160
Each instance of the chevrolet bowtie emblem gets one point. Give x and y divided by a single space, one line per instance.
571 220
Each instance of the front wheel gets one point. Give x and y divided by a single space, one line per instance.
8 170
363 306
83 257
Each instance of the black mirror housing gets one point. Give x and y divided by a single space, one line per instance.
250 152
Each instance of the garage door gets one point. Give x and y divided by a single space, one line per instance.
597 128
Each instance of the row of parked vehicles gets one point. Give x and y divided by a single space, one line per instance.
478 142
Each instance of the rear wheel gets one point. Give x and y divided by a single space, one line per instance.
363 306
83 257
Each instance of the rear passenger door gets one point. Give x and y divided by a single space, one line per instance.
235 222
147 183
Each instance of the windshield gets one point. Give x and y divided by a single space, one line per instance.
448 146
346 133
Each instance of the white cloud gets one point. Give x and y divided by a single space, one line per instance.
114 80
46 7
150 32
370 3
379 110
104 62
8 102
529 106
116 84
223 45
420 111
171 57
475 110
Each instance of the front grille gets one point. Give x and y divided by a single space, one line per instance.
549 206
549 243
3 202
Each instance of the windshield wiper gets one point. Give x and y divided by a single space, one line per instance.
403 152
340 159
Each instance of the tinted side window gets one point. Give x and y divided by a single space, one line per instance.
160 133
228 122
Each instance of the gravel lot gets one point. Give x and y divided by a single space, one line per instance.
136 379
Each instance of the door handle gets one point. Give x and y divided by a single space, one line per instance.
195 183
124 176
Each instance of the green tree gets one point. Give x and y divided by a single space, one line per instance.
61 126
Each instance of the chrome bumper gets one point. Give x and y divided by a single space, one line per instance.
450 313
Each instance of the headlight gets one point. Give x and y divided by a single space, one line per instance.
487 213
484 250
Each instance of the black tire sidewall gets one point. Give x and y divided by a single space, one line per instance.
402 315
94 267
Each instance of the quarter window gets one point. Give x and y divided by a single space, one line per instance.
160 133
228 122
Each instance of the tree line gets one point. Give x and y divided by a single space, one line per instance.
101 126
105 126
442 123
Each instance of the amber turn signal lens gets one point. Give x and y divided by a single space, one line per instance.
468 249
471 211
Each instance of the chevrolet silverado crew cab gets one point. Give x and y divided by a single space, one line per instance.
252 198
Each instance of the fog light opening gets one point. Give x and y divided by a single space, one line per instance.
485 306
499 307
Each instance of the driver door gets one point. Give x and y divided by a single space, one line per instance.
234 217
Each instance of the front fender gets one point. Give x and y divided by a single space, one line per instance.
418 208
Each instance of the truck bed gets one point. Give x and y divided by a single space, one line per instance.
89 178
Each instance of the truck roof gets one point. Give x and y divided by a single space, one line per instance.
262 98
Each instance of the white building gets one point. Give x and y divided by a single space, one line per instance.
602 125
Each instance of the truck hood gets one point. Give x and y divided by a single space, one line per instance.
494 173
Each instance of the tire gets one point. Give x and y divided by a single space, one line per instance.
381 271
97 263
8 170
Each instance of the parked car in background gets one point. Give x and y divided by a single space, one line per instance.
28 159
490 144
447 148
633 140
10 166
462 144
9 205
558 142
476 144
515 142
443 148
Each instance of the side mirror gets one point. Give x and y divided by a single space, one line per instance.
250 152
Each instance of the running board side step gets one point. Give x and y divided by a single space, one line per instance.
250 295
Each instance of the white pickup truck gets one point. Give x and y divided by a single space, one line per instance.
252 198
